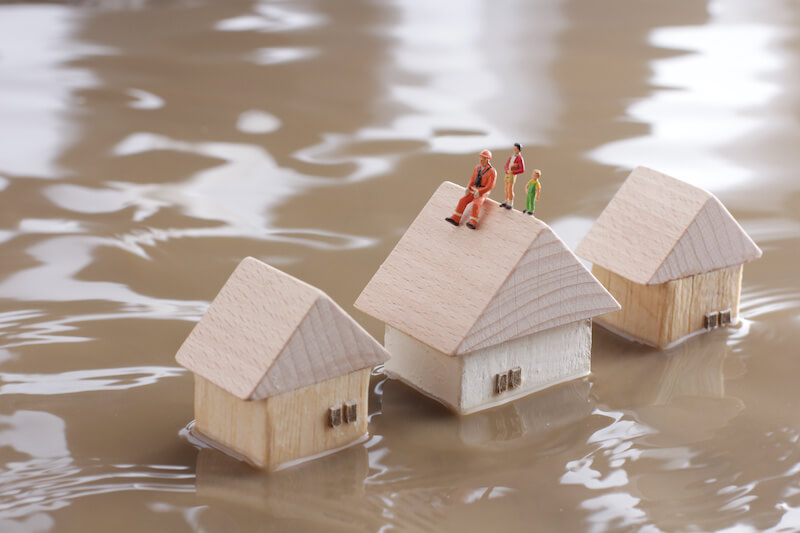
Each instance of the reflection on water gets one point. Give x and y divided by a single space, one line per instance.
84 380
177 138
37 92
451 76
43 477
267 17
327 494
705 97
522 422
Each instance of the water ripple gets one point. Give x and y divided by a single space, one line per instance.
101 379
271 18
49 478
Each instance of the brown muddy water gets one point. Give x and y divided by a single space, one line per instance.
147 147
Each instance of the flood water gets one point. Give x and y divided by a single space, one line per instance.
146 147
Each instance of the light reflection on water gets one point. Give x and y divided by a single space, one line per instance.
48 478
37 92
105 379
267 17
706 97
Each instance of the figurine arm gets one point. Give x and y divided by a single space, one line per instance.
471 180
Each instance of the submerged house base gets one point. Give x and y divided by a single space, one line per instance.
663 313
495 375
282 430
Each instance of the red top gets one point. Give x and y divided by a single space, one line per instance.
518 167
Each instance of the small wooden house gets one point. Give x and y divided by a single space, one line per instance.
281 371
671 254
477 318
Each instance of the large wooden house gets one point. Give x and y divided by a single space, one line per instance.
671 254
281 371
478 318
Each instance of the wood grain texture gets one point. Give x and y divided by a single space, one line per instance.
658 228
238 425
298 420
282 428
326 344
467 384
458 290
549 287
267 333
660 315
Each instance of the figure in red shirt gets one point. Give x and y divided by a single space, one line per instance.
480 185
514 167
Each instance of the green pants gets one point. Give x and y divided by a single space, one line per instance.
530 204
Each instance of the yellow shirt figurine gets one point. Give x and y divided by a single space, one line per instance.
534 188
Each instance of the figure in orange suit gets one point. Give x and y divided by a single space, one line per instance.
480 185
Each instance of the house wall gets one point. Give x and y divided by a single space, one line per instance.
663 313
545 358
418 365
282 429
235 425
298 420
466 384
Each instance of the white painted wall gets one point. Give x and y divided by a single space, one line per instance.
430 371
546 358
466 383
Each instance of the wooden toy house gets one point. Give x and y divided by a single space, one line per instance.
671 254
281 371
476 318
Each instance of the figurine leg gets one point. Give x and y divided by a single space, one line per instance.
459 212
476 211
531 203
509 181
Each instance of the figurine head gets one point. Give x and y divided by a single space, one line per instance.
486 155
517 148
536 174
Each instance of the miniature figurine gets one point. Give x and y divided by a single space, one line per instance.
534 188
514 166
480 185
671 254
527 325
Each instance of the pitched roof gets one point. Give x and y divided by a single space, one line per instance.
267 332
459 290
658 228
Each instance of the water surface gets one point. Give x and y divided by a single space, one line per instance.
147 147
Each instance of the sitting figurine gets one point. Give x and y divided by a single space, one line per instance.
514 166
480 185
534 188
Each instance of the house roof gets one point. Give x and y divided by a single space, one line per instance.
267 332
459 290
658 228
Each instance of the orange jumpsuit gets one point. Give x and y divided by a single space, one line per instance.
487 181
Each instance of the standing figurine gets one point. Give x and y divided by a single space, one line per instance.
480 185
534 188
514 166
